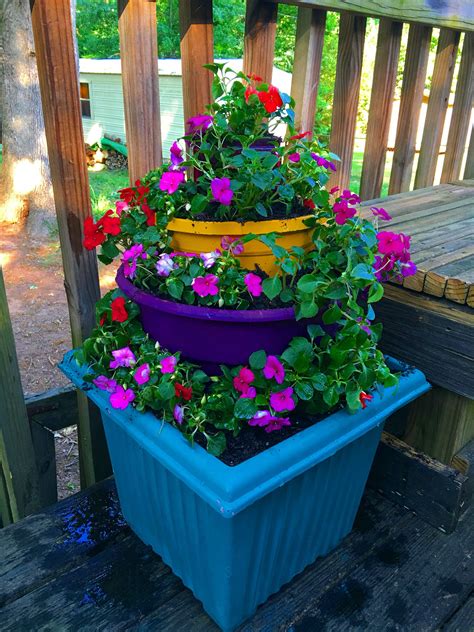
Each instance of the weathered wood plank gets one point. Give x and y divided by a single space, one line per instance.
259 40
17 456
138 53
462 619
197 49
307 65
380 110
437 107
461 115
458 15
58 80
55 409
346 95
45 456
469 168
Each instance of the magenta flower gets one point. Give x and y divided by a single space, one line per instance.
168 364
352 198
165 265
408 269
283 400
381 212
326 164
105 383
343 212
170 181
221 191
391 243
243 380
176 154
201 122
121 398
250 393
142 374
206 286
123 357
333 190
253 283
210 258
264 419
130 258
295 157
232 244
178 414
382 266
120 206
274 369
277 423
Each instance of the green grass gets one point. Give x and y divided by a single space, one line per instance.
104 186
357 171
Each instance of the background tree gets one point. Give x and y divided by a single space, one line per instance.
25 189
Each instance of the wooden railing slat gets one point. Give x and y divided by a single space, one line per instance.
437 107
259 41
197 49
380 110
307 65
414 77
346 94
469 168
139 55
461 114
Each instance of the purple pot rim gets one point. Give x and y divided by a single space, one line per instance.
198 311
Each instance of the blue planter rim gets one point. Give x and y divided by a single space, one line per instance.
227 489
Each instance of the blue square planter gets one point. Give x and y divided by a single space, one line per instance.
235 535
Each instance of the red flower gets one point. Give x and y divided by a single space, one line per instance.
102 320
150 215
299 136
119 312
255 77
271 100
142 191
110 225
248 93
127 195
182 391
134 195
93 234
364 398
309 204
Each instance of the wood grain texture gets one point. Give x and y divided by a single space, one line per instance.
55 409
437 107
45 456
346 95
461 115
469 168
52 32
414 77
457 14
17 456
380 110
139 54
307 66
197 49
259 40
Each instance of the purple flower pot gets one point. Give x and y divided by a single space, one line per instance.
210 336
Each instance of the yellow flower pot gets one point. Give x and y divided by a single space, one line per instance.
198 236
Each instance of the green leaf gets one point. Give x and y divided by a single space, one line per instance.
304 390
109 249
319 381
332 315
216 444
262 180
331 396
200 376
315 331
286 191
272 287
175 287
352 399
308 283
362 271
336 291
261 210
198 204
166 390
287 295
245 408
258 359
308 309
375 293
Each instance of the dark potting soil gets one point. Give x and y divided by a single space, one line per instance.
276 212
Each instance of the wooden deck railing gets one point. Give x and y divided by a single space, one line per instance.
137 28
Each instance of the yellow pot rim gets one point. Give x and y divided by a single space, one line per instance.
262 227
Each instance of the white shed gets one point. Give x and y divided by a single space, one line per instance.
102 97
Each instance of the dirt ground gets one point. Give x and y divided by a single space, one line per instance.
38 309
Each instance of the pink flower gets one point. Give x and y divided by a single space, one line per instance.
253 283
105 383
206 286
333 190
408 269
178 414
232 244
199 122
210 258
168 364
283 400
295 157
381 212
221 191
123 357
142 374
170 181
277 423
261 418
264 419
391 243
352 198
176 154
130 258
274 369
343 212
121 205
165 265
326 164
243 380
121 398
250 393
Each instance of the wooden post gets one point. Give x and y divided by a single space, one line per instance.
197 49
139 55
469 168
52 32
307 65
19 481
259 41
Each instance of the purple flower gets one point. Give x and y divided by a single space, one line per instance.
408 269
253 283
264 419
283 400
123 357
206 286
176 154
210 258
322 162
121 398
364 325
221 191
274 369
130 258
105 383
165 265
250 393
142 374
178 414
295 157
168 364
201 122
381 212
170 181
232 244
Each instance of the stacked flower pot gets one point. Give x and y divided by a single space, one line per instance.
236 365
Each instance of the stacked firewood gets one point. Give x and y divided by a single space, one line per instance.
115 160
100 158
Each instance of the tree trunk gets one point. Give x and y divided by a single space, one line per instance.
26 194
